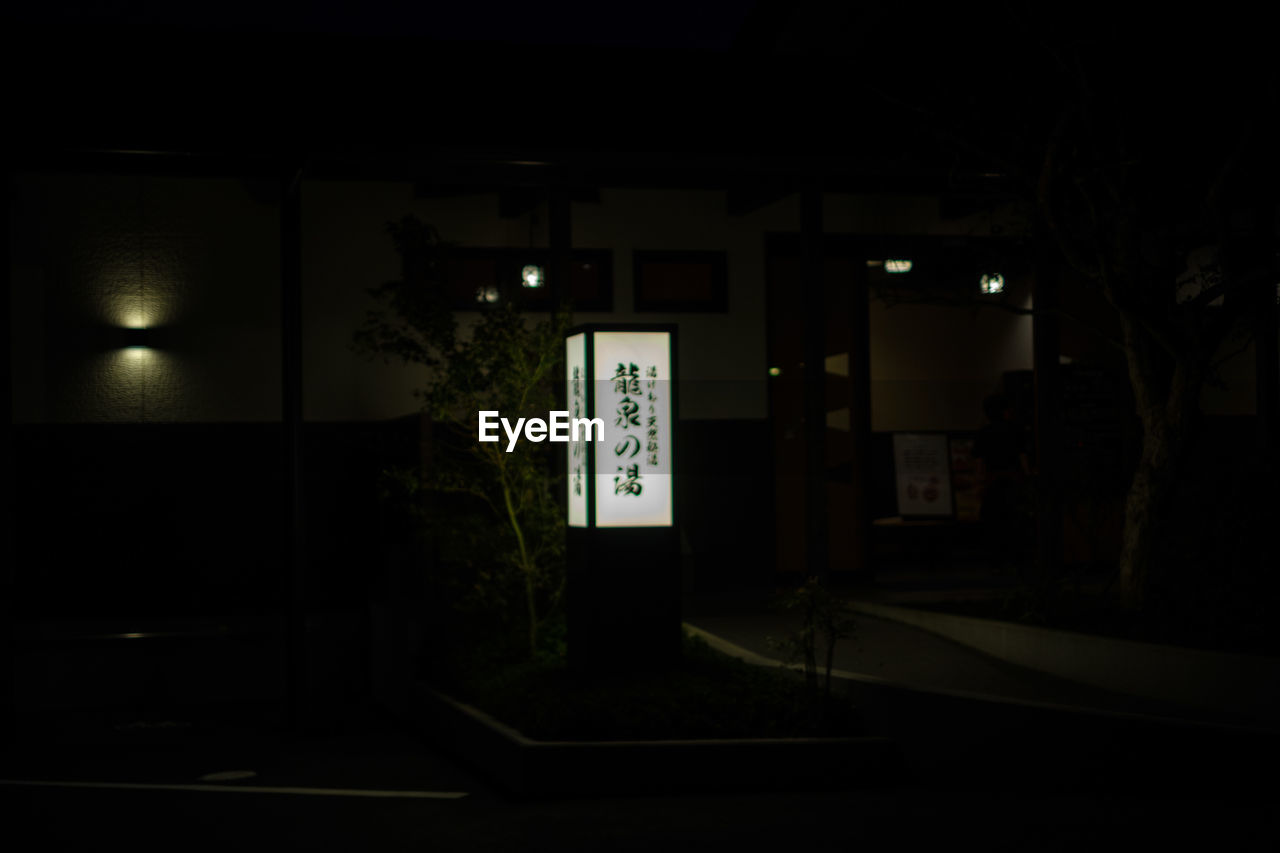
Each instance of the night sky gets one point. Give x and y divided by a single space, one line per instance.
708 25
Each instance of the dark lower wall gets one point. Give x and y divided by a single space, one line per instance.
190 519
174 519
725 496
181 520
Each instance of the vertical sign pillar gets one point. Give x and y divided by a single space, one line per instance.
622 543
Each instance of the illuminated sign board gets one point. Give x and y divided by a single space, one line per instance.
575 360
625 377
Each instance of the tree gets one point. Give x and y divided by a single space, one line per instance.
505 364
1180 252
1168 213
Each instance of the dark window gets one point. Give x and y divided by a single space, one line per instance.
681 281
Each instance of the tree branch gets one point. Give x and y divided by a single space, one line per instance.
936 126
1213 195
1044 195
1156 334
1240 350
1228 284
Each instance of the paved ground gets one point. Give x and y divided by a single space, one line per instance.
981 772
905 655
377 755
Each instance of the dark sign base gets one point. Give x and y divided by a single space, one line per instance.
623 599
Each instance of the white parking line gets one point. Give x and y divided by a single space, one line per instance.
244 789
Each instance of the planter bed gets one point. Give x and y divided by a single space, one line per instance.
709 723
535 768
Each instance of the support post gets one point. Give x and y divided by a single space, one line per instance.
860 415
291 422
817 561
1046 348
1266 342
8 545
560 236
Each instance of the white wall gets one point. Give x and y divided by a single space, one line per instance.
346 249
723 364
195 261
931 366
200 260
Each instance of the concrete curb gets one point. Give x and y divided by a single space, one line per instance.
1236 684
967 739
530 768
940 736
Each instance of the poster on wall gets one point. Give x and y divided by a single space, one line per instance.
964 479
922 469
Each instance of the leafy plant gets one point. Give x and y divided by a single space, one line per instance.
825 620
503 531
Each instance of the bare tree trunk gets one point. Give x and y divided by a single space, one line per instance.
526 567
1147 497
1167 391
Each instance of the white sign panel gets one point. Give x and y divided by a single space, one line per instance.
633 388
575 359
922 464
